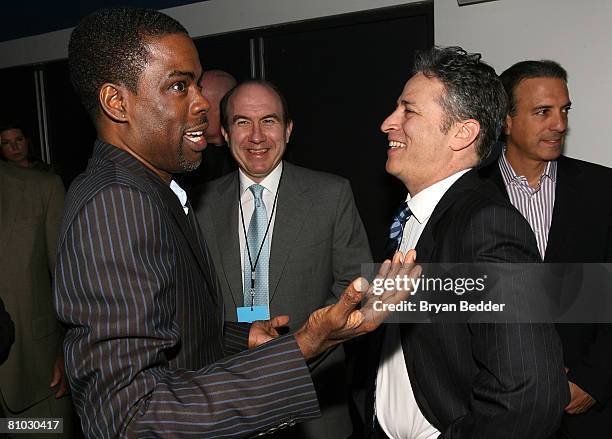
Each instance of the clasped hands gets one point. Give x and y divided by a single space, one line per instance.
334 324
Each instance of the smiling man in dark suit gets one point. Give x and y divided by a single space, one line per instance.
313 237
568 204
147 351
458 380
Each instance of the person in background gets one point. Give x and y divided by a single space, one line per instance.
14 147
32 379
311 236
568 204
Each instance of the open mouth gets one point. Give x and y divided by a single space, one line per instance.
258 152
195 137
394 144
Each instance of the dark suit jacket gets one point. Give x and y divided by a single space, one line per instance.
481 380
146 349
317 249
581 231
30 211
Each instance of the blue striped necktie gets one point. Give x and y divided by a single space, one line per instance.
397 226
257 246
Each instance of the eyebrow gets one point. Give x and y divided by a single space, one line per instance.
547 107
404 102
174 73
267 116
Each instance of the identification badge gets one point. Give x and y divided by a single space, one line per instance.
246 314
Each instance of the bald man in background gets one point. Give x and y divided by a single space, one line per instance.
216 158
215 84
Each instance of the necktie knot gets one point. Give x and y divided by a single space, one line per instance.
399 220
257 190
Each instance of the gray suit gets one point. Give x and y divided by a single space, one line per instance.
30 212
317 247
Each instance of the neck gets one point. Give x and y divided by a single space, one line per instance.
115 141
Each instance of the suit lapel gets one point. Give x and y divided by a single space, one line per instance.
291 210
188 228
427 243
225 224
150 183
563 221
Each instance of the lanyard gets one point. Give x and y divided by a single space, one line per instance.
246 241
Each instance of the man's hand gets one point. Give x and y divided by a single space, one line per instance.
337 323
262 331
58 378
580 400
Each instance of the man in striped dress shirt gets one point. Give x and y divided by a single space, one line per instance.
567 202
147 352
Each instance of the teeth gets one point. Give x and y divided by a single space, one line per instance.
396 144
195 137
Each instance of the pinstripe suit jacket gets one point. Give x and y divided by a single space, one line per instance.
581 231
146 349
481 381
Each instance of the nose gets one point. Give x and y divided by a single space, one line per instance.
391 123
257 135
200 103
559 122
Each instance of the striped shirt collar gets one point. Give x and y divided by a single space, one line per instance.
511 177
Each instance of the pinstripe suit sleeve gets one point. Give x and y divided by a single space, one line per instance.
115 289
235 337
520 389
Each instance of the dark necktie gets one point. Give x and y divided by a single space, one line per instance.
396 230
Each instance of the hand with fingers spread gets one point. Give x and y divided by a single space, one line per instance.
326 327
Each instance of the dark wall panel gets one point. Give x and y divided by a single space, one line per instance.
341 80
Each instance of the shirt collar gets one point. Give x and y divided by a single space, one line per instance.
423 204
270 182
181 194
510 176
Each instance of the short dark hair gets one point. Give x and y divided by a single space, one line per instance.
472 91
513 75
109 45
14 125
224 102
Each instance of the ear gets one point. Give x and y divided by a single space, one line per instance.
508 126
288 130
466 133
113 102
225 135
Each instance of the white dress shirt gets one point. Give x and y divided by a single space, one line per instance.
181 195
396 408
270 184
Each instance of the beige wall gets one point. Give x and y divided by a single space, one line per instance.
576 33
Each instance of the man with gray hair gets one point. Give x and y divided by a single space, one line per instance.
458 380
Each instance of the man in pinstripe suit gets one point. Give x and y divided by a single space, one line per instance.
567 203
146 350
459 380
